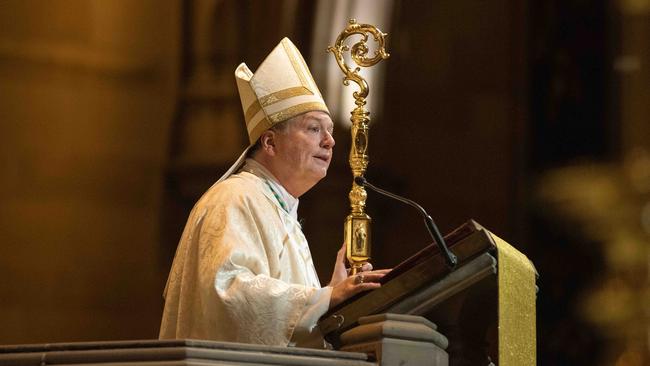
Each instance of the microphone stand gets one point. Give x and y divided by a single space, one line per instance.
450 257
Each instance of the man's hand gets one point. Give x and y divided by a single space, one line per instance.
344 287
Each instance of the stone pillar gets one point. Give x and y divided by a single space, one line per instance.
87 96
395 339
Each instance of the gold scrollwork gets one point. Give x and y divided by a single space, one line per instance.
359 52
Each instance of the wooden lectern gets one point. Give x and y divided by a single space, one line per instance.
485 306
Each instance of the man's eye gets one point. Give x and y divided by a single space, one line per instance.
314 129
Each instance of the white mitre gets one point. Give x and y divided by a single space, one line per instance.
281 88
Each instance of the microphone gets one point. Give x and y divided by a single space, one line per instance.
450 257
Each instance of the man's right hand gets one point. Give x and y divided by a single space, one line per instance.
344 287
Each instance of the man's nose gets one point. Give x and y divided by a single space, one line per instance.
328 140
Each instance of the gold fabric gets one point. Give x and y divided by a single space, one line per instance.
293 111
273 98
516 302
262 126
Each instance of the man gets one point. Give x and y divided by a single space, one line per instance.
243 271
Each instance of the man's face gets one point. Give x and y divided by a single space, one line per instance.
304 149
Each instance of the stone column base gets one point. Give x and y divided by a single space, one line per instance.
395 339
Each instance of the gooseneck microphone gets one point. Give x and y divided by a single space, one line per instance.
450 257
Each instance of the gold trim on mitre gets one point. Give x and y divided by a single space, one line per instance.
275 97
257 130
297 62
294 111
281 88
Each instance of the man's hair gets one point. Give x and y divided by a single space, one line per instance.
281 127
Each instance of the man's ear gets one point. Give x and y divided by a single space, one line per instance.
267 142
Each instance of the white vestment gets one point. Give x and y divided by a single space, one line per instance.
243 271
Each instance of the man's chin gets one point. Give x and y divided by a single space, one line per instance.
320 174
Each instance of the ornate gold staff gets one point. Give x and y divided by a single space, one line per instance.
357 224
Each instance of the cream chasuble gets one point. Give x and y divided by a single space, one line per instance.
243 271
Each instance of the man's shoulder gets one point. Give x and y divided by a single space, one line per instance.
236 188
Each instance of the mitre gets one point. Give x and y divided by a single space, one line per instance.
282 87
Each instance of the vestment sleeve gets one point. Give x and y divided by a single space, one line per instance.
307 333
